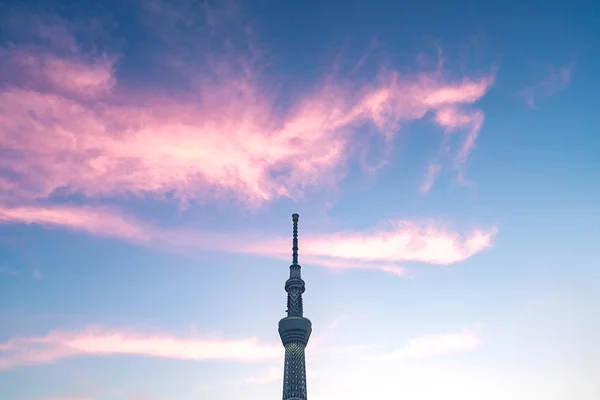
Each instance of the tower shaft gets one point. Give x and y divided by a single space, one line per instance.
294 329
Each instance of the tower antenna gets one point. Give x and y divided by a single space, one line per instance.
295 329
295 218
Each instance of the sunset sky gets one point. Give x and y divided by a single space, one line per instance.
444 157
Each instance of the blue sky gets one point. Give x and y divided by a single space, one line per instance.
442 157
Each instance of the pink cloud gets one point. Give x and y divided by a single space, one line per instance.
466 92
78 75
433 171
69 125
454 118
9 271
385 250
97 221
470 121
97 342
37 274
555 80
339 264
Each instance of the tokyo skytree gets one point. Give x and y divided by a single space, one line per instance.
294 329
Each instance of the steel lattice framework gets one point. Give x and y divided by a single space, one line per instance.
294 329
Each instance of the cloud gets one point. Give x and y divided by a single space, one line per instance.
69 125
407 241
9 271
433 345
57 345
68 75
101 221
556 80
452 119
433 170
37 274
226 135
385 250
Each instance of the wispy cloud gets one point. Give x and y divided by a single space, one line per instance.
452 119
99 221
100 342
555 80
405 241
225 137
9 271
433 170
433 345
37 274
68 75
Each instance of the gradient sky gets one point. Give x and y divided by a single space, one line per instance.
444 158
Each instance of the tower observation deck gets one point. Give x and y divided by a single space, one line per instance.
294 329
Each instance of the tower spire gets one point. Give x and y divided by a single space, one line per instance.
295 218
294 329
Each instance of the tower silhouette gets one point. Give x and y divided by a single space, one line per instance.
294 329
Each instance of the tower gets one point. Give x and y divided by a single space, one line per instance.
294 329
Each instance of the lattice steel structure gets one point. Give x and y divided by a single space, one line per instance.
294 329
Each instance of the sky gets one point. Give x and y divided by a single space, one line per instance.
443 158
